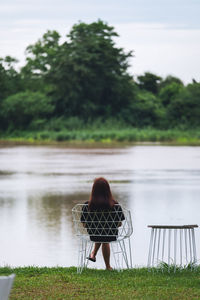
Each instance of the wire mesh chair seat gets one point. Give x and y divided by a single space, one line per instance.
104 226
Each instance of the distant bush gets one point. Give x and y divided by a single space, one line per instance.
20 110
63 123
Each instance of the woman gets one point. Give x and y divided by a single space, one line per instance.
102 216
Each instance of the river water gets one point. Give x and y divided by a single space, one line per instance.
39 185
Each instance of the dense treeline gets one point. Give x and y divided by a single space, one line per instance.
85 80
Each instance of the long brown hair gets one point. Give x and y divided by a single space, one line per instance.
101 196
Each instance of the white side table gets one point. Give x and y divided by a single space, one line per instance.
172 244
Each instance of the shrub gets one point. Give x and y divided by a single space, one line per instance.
21 109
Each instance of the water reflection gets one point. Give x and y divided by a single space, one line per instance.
6 202
49 211
40 185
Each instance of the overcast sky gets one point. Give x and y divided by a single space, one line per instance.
164 34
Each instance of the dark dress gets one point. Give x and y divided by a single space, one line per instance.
102 225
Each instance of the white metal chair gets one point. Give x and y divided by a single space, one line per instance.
103 226
5 286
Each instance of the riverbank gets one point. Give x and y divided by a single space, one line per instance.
104 136
65 283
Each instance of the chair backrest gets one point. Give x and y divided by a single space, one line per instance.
5 286
115 224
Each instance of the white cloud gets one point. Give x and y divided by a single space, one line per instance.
162 50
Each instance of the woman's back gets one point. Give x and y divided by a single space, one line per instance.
102 224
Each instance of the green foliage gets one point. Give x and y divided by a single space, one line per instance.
145 110
63 123
10 81
169 80
40 59
84 81
3 82
185 108
91 76
149 82
21 109
169 92
107 135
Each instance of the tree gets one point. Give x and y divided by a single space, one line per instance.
21 109
169 92
149 82
90 74
146 110
185 108
3 82
41 56
10 80
169 80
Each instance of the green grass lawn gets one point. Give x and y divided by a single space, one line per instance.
65 283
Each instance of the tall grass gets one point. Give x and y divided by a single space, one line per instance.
109 135
107 131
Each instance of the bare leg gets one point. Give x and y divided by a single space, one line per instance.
96 248
106 255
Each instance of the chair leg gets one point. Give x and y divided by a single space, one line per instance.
89 246
121 253
130 253
116 253
85 248
124 253
80 257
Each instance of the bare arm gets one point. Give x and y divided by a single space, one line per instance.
119 224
